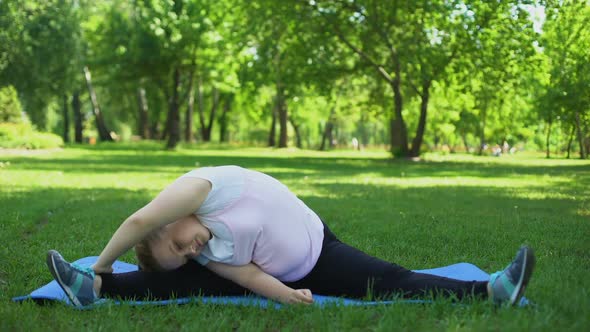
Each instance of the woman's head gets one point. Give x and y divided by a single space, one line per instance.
173 245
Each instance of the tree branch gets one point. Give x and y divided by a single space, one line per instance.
365 56
414 87
375 25
350 45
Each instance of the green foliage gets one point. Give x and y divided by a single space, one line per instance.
456 73
563 96
44 52
11 23
10 108
24 136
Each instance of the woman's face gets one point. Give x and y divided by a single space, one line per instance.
180 241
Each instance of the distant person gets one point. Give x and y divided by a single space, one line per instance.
355 143
505 147
224 230
497 151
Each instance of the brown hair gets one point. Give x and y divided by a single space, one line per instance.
144 253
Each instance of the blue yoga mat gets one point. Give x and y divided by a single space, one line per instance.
52 291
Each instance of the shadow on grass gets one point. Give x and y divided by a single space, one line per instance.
26 214
329 166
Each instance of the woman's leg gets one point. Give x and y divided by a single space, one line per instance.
342 270
191 279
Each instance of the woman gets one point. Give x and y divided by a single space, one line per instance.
251 233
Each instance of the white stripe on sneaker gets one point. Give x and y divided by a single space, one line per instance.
516 292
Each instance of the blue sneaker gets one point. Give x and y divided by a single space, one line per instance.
508 286
76 281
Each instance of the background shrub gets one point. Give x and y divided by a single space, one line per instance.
24 136
10 107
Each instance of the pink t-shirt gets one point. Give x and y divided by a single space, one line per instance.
255 218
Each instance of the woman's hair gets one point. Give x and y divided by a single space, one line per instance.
144 252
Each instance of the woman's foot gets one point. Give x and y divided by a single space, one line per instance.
508 286
76 281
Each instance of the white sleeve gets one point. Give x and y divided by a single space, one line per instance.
227 184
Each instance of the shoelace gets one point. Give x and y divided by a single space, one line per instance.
83 269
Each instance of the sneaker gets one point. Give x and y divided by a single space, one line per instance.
76 281
508 286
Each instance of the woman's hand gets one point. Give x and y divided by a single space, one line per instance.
252 277
300 296
102 269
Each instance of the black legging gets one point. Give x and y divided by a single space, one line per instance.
341 270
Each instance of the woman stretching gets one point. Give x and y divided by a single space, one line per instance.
228 230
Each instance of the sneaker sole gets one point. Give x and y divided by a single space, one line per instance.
53 270
525 275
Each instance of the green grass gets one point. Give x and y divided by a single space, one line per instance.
441 210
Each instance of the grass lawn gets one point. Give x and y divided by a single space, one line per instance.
439 211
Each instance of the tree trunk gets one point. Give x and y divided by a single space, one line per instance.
327 134
363 131
213 113
280 103
580 137
417 142
164 135
223 119
142 125
157 131
297 133
76 108
570 140
482 129
272 136
398 129
201 108
173 127
188 118
464 139
154 124
66 119
104 133
548 139
206 131
586 137
283 119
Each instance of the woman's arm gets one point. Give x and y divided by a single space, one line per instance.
252 277
178 200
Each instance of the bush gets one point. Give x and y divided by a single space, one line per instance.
10 108
24 136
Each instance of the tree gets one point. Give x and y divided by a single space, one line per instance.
42 62
410 44
157 43
567 90
290 54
